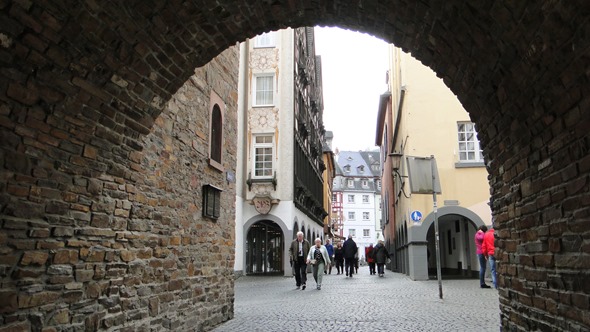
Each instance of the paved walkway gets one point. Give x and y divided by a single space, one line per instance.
362 303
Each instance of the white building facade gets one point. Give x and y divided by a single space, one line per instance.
279 96
357 182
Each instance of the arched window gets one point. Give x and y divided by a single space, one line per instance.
216 133
217 108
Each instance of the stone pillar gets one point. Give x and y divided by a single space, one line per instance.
418 260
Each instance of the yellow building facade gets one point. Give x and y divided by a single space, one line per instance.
422 117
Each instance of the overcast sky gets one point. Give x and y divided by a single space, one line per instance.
353 72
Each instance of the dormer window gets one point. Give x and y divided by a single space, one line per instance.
347 168
361 169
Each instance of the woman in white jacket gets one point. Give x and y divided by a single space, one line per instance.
318 257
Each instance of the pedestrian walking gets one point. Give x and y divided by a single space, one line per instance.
297 251
381 256
369 251
339 257
479 235
356 261
330 249
318 258
488 249
350 249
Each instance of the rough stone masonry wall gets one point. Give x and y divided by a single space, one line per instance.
82 81
95 234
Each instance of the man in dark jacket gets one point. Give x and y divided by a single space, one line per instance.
381 255
298 252
350 250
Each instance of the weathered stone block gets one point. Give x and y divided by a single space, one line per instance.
34 258
60 317
127 256
84 275
97 232
60 269
37 299
49 244
16 327
39 233
8 302
92 255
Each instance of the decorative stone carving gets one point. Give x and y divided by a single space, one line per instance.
264 58
263 118
262 204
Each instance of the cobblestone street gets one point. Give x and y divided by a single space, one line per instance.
362 303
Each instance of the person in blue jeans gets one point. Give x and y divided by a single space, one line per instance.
330 249
479 235
488 249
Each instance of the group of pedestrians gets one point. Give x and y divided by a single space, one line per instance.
322 257
484 243
345 257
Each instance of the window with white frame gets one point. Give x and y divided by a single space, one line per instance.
350 198
366 215
469 150
265 40
263 89
351 216
365 198
366 232
350 183
352 232
263 156
365 183
334 198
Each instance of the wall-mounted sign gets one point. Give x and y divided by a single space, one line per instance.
230 177
416 216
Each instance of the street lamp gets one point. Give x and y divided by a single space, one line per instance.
396 160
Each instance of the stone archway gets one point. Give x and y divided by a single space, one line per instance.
83 86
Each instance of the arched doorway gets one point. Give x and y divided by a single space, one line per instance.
457 251
418 242
264 248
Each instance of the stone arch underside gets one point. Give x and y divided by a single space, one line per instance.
519 69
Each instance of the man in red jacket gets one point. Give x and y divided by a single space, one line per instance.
487 248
